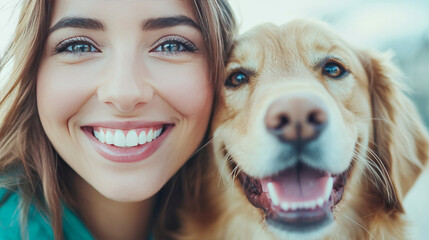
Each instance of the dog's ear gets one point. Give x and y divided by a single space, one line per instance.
399 139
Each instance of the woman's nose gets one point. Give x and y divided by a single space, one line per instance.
124 88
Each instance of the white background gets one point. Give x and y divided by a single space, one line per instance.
399 25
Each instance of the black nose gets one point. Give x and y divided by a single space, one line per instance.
296 119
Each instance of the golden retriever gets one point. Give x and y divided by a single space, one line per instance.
312 139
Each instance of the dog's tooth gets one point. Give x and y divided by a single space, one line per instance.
319 202
132 139
328 189
312 204
109 137
284 206
273 193
307 204
294 206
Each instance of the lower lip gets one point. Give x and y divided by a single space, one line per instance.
128 154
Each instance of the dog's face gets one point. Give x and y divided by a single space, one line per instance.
294 128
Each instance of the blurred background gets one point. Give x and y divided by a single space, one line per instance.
397 25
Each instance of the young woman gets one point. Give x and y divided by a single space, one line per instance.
105 102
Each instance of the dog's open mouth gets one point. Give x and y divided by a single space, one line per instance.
299 198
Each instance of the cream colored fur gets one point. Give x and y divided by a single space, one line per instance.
378 135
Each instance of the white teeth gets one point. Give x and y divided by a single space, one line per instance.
142 138
119 138
329 186
292 206
102 137
109 137
150 136
132 139
319 202
306 205
97 134
158 132
312 205
284 206
273 193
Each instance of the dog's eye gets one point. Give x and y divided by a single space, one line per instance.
236 79
333 70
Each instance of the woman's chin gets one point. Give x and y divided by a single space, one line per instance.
130 193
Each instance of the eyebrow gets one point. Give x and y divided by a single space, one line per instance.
147 25
78 22
166 22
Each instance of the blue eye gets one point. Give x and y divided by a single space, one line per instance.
236 79
76 45
80 48
334 70
170 47
175 45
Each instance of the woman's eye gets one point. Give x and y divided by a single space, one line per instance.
170 47
333 70
173 46
76 46
236 79
80 48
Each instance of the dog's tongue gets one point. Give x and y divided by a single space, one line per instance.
297 184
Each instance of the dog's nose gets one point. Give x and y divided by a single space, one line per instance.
296 119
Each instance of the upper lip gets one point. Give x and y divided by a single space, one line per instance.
126 125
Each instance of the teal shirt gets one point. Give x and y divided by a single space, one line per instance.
38 225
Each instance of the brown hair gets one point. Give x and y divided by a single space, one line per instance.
29 165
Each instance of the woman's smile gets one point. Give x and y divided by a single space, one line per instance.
126 142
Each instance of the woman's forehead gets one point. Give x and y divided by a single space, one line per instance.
121 13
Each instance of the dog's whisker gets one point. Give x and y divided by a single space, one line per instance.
202 147
360 225
388 121
371 163
222 168
228 158
374 175
377 175
332 236
373 170
234 173
383 174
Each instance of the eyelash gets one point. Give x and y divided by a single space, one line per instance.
185 46
64 45
188 47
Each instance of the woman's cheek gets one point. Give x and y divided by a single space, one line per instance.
188 89
62 90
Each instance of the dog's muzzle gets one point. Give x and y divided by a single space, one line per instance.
300 197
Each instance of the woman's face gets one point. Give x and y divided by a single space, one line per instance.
123 91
